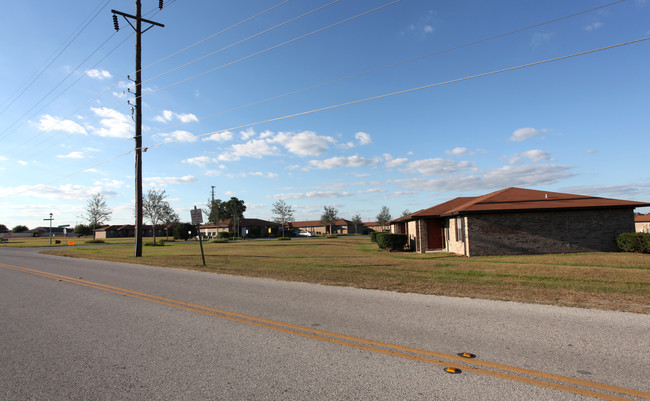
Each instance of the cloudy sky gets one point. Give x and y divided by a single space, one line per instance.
355 104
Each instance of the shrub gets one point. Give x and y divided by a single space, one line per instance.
220 241
634 242
184 231
95 241
284 238
392 242
223 234
373 236
331 236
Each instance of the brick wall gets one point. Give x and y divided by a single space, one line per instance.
547 232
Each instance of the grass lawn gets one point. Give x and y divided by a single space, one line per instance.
612 281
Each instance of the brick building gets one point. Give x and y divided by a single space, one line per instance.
516 221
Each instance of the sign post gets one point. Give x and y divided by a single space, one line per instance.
50 220
197 219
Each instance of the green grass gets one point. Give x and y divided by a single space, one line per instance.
618 281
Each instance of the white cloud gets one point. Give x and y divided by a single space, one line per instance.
535 156
507 176
115 124
391 162
171 180
72 155
98 74
63 192
436 166
200 161
312 195
266 175
342 161
168 115
22 162
247 134
255 148
593 26
459 151
50 123
372 191
363 138
178 136
428 29
522 134
219 136
3 158
305 143
539 38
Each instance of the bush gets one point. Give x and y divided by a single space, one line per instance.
331 236
95 241
284 238
224 234
184 231
392 242
634 242
373 236
220 240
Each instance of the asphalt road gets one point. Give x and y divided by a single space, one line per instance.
73 329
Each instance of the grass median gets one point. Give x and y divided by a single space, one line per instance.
610 281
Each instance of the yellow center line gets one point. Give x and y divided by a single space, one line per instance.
365 344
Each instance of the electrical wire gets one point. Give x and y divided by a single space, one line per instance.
241 41
410 90
272 47
406 61
43 69
508 69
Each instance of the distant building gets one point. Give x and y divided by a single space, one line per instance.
642 223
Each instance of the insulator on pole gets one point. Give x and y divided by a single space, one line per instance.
160 4
115 24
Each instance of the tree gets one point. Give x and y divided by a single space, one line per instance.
96 212
19 229
3 229
383 217
284 213
356 221
82 230
405 212
216 211
156 209
184 231
329 217
235 209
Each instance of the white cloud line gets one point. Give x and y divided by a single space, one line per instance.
485 74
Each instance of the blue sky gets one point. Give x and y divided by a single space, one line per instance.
315 103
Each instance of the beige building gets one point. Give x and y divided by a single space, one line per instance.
642 223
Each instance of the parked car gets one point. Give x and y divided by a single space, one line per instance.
306 234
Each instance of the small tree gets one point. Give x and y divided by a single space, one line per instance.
383 217
97 212
82 230
3 229
284 213
157 210
405 212
235 211
356 221
19 229
184 231
329 217
216 211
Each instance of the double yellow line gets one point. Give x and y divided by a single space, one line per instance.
538 378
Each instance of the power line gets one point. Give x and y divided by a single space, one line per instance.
413 89
275 47
411 59
44 68
242 41
351 103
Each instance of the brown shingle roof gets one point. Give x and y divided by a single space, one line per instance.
519 199
515 199
642 218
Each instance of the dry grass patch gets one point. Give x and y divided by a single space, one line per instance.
614 281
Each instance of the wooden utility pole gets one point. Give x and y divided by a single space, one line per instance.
138 112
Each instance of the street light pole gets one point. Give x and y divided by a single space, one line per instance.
50 219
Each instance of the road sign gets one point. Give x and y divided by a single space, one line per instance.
65 225
197 216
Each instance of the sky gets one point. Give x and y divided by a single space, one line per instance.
355 104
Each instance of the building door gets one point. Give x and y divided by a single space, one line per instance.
434 234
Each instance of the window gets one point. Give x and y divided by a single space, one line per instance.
459 229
